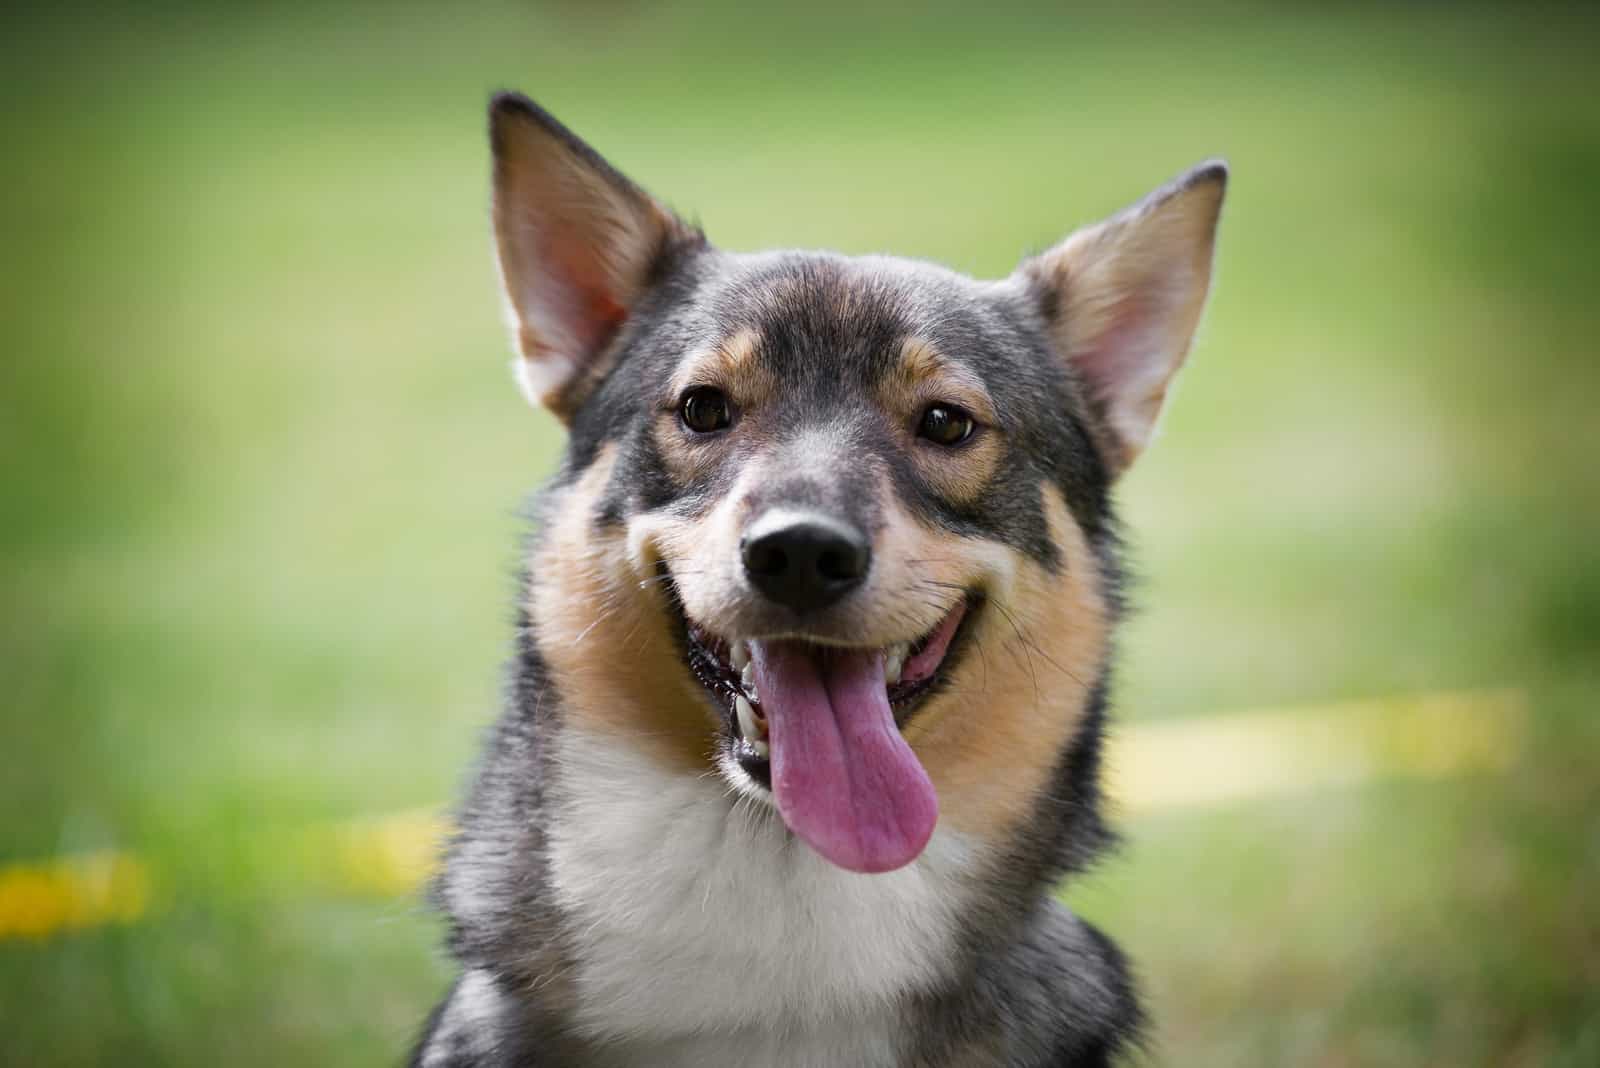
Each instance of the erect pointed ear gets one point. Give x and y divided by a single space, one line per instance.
1122 299
578 245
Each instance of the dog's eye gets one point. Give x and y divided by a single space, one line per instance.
705 410
945 424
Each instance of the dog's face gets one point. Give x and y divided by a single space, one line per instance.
836 529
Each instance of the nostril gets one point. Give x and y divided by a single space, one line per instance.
767 559
834 564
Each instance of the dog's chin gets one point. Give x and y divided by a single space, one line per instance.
916 669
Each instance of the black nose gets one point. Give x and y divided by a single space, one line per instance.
804 560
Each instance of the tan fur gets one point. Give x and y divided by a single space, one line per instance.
607 640
923 376
733 365
991 741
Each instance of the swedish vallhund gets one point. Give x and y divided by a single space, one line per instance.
805 712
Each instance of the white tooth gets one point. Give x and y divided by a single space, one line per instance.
752 728
894 662
762 749
739 653
747 679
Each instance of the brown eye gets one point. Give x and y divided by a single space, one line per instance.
945 424
705 410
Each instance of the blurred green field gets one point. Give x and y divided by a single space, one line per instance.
260 459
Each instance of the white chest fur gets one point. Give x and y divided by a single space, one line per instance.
702 924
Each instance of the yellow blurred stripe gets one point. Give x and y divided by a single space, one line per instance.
1150 767
86 890
1239 757
389 856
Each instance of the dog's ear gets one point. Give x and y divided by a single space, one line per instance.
578 245
1122 298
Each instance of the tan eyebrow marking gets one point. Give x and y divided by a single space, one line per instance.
924 374
919 359
732 365
737 354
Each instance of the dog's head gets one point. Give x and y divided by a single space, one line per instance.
837 528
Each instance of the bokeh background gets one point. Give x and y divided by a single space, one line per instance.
261 458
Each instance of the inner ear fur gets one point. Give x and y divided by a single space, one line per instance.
1122 299
578 245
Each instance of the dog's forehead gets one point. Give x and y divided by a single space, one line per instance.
820 316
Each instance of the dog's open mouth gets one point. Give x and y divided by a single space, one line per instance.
727 670
820 725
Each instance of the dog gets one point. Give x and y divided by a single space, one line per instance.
804 716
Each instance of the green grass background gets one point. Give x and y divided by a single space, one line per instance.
260 457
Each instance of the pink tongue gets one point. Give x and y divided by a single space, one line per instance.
844 778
